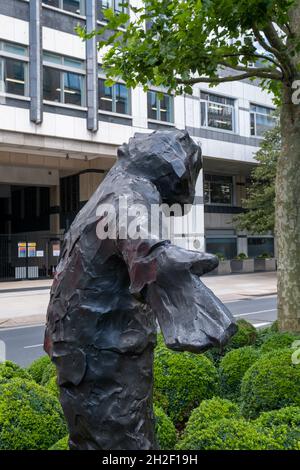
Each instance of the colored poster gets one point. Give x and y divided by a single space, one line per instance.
22 251
56 249
31 248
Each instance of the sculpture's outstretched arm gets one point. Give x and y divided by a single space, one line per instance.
190 316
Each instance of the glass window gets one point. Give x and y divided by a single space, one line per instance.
14 76
116 5
73 88
13 70
160 109
261 119
225 246
260 245
52 3
115 99
218 189
52 86
61 85
217 112
74 6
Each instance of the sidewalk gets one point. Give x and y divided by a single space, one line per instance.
25 302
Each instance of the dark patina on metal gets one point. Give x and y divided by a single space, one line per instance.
108 293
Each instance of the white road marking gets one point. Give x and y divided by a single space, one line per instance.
245 299
254 313
262 324
33 346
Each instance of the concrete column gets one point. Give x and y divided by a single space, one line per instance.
54 209
88 183
91 67
35 62
242 244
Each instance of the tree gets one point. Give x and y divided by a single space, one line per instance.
260 202
214 41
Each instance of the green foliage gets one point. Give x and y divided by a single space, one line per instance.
52 386
36 369
189 42
278 341
182 381
10 370
164 429
283 425
208 412
260 201
62 444
227 434
241 256
48 373
290 416
30 417
272 382
245 336
220 256
232 369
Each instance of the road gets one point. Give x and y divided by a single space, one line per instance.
24 344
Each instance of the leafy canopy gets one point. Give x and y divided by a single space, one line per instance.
260 202
192 41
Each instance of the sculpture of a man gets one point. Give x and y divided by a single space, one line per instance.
108 293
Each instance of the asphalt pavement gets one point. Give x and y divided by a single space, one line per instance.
23 344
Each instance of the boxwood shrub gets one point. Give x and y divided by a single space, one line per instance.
272 382
52 386
37 367
48 373
182 381
245 336
30 417
278 341
283 425
227 434
164 429
233 367
210 411
10 370
62 444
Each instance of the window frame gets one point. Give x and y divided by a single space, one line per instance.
114 112
18 57
158 115
254 113
210 203
231 106
63 69
61 8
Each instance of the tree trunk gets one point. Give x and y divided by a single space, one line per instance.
288 217
287 208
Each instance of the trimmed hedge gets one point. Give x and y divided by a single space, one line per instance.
52 386
232 369
62 444
290 415
30 417
210 411
182 381
245 336
37 368
278 341
48 373
227 434
164 429
271 383
10 370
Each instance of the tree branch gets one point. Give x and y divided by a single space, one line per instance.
215 80
241 68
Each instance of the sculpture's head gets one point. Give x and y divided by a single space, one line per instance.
169 159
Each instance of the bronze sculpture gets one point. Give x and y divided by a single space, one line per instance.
108 293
